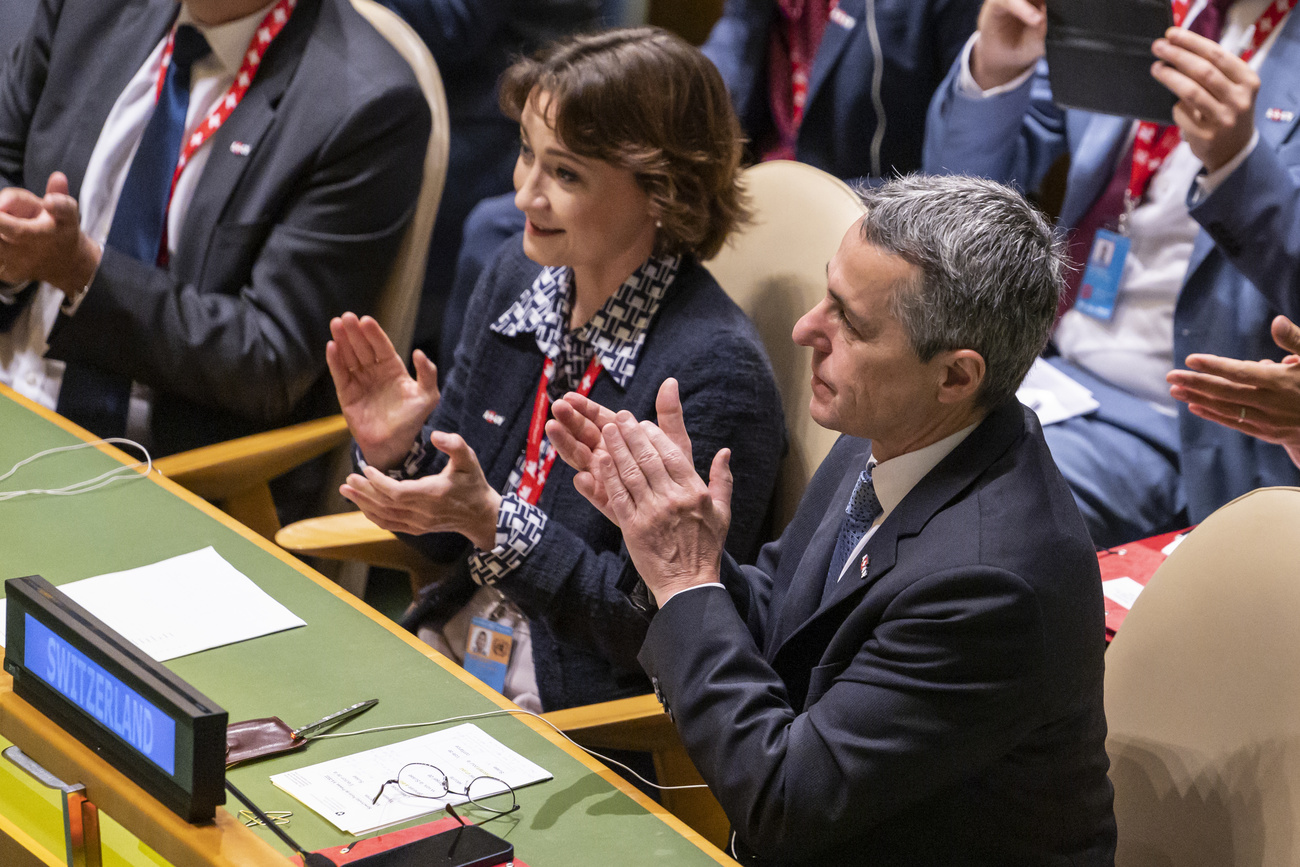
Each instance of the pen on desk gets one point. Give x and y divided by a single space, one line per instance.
334 719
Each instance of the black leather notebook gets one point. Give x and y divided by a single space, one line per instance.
1099 56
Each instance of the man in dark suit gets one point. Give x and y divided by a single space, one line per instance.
914 677
310 133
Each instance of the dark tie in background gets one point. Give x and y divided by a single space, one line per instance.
863 509
94 399
1110 204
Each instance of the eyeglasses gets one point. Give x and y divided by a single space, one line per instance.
421 780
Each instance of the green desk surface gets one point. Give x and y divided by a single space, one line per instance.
345 654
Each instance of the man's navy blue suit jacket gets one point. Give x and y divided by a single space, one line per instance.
943 708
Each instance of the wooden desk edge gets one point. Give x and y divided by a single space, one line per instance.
11 708
223 843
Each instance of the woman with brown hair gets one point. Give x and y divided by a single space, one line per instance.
628 174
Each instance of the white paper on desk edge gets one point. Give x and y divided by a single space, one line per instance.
1122 591
1053 395
340 790
180 606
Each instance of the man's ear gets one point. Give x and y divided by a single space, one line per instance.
961 375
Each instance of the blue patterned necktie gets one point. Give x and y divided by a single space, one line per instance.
95 399
863 509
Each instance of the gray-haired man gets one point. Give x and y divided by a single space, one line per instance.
912 673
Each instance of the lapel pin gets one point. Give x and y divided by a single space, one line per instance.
239 149
842 18
492 417
1280 115
865 561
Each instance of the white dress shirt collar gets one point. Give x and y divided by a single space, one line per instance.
229 42
895 477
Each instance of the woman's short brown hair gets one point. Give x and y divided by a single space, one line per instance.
644 100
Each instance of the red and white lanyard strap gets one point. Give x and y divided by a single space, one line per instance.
1154 142
536 470
265 34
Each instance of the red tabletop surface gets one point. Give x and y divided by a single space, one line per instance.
1137 560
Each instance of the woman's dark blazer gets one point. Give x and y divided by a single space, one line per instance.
585 633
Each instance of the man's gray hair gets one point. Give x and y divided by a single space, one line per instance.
990 271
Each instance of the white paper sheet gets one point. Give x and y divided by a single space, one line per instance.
180 606
341 790
1053 395
1123 591
1173 544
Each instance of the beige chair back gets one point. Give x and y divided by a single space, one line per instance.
400 297
775 270
1203 696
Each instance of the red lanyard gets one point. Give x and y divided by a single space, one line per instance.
802 38
265 34
1154 143
537 470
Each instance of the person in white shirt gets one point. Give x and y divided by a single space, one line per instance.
1213 241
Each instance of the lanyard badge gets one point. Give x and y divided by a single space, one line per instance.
487 651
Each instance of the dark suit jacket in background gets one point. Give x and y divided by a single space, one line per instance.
585 633
16 16
946 709
232 335
909 43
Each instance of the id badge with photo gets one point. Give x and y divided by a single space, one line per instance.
487 651
1099 287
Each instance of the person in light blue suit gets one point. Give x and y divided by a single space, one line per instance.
1135 465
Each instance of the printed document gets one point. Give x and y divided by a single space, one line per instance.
342 790
1053 395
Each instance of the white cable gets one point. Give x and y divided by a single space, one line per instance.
119 473
126 472
452 719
